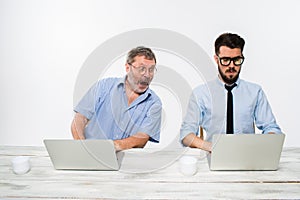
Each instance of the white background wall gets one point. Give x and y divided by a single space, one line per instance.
43 44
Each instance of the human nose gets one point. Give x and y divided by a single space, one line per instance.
231 64
147 73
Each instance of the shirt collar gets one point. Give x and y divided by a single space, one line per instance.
122 81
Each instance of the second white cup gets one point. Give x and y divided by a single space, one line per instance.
188 165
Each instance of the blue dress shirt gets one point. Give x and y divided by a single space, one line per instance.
106 107
207 108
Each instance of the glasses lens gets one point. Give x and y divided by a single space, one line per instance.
152 70
143 70
225 61
238 60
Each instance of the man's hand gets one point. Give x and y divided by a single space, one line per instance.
207 146
117 145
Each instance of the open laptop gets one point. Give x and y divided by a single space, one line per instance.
245 151
83 154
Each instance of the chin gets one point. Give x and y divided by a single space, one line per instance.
232 79
142 90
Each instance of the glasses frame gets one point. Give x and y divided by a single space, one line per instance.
234 59
142 69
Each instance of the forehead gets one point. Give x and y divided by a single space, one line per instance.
143 60
228 52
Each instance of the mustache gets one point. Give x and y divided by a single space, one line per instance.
144 81
231 69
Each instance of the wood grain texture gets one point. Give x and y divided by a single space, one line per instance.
147 175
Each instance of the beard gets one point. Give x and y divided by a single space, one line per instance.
232 78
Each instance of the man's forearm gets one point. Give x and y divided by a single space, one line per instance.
136 141
191 140
78 124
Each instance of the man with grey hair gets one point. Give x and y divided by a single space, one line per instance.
125 109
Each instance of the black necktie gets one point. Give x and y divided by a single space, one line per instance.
229 128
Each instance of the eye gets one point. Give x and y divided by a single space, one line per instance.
142 68
238 60
225 59
151 69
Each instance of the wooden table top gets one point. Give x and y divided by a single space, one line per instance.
146 174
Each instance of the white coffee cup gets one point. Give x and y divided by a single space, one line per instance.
188 165
21 164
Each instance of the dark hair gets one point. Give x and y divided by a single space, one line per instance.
140 51
229 40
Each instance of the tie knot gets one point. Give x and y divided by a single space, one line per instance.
230 87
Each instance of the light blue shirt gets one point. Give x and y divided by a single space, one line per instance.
208 104
106 107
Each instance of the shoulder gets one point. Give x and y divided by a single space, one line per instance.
107 83
250 85
110 80
205 88
104 86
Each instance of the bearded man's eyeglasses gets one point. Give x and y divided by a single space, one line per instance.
237 61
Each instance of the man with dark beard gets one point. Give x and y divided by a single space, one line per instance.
124 110
228 104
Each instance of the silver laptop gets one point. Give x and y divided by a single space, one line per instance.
245 151
83 154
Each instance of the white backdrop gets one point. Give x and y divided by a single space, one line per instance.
43 44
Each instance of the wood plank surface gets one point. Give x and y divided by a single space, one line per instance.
147 175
